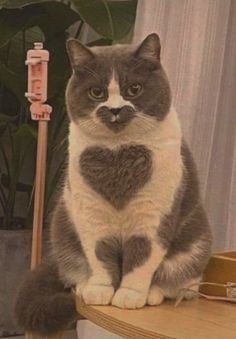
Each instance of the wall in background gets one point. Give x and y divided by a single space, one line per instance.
199 53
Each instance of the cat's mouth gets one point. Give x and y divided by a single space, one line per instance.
116 122
115 119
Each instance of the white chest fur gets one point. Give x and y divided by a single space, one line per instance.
154 200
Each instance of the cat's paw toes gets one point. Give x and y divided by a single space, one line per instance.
188 295
191 291
128 298
155 296
79 289
98 294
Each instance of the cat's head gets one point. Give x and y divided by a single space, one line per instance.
117 89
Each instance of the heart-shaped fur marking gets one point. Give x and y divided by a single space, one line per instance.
116 174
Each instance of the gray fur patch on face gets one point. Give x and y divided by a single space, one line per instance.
66 246
116 175
125 115
109 251
79 104
132 65
155 97
136 251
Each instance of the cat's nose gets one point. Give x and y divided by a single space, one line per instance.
115 111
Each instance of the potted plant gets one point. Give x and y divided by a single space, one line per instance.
23 22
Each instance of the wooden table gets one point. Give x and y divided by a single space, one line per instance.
195 319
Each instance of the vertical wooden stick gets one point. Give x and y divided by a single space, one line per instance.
39 193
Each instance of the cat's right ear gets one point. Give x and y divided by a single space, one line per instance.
150 48
78 53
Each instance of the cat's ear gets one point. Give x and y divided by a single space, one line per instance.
150 48
78 53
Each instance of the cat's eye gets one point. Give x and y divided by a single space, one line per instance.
97 93
133 90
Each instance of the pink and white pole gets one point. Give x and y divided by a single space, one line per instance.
37 62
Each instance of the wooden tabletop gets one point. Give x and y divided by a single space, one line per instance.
195 319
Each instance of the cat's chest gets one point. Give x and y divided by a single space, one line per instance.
117 175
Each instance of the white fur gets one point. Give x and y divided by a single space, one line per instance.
155 296
139 279
129 298
115 100
95 218
97 294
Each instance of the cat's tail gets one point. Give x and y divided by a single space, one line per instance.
43 305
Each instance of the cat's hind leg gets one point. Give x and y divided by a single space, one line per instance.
188 288
193 288
156 295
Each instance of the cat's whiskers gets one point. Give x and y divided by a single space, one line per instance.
148 121
86 122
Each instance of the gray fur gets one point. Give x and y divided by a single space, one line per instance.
186 225
187 222
94 67
109 251
183 272
126 114
150 48
78 53
43 304
136 251
66 246
116 175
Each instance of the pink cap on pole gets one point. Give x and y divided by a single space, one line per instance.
37 62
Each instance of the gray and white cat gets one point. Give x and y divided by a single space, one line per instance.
129 228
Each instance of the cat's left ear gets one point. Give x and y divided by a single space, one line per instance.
78 53
150 48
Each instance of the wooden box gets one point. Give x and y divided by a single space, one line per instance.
220 269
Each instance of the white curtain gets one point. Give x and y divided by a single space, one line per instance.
199 54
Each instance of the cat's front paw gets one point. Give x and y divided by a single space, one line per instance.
129 298
98 294
155 296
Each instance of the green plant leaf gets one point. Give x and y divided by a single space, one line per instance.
26 131
5 119
52 17
18 3
23 139
111 19
9 26
57 18
59 68
20 186
8 77
5 159
3 2
12 61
